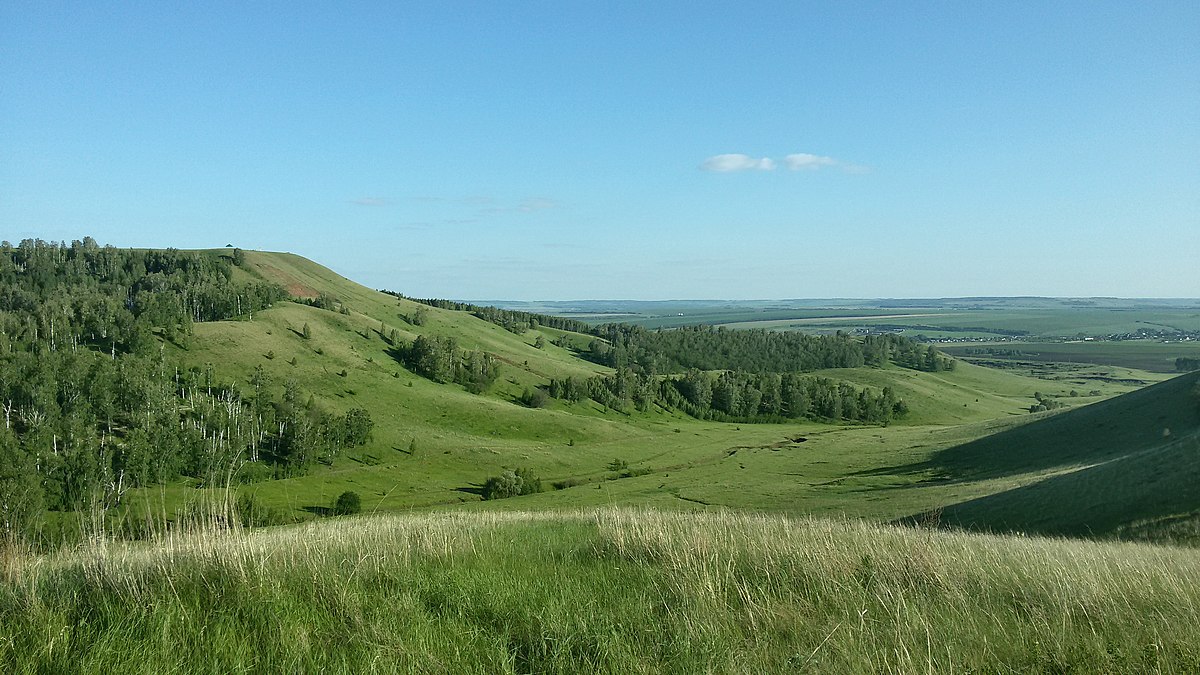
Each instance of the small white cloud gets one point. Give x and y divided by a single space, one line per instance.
801 161
370 201
737 162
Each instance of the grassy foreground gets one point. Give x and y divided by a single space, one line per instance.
614 590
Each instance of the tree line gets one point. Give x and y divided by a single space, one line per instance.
511 320
736 396
754 351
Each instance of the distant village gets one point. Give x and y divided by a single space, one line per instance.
1152 334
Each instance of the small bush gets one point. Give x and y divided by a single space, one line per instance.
566 483
348 503
533 398
512 484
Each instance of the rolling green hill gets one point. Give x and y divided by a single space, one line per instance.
660 542
434 444
178 373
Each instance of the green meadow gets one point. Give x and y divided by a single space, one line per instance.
614 590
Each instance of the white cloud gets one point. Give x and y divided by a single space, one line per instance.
737 162
806 161
797 161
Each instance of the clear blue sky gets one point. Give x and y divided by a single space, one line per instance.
571 150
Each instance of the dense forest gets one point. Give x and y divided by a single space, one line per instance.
93 408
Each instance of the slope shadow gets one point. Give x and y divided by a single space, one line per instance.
1155 484
1095 433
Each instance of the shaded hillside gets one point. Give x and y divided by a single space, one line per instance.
1127 467
1151 494
1117 427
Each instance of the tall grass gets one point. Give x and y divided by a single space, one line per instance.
615 590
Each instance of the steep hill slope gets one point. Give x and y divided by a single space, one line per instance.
1127 466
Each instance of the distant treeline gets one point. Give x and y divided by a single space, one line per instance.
90 409
1186 364
754 351
758 373
992 351
511 320
737 396
1011 332
716 348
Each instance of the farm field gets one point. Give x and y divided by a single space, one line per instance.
1026 318
1149 355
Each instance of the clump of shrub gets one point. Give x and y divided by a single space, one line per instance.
348 503
514 483
1044 403
621 469
566 483
533 398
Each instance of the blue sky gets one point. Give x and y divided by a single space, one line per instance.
570 150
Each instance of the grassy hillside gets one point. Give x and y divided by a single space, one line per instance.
615 591
1128 465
